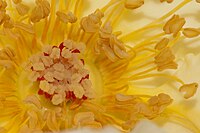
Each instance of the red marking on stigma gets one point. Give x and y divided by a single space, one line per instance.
83 61
68 96
73 96
61 46
45 54
75 51
47 95
40 92
86 77
84 97
40 78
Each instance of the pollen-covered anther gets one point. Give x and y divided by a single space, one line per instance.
7 56
109 43
55 54
66 17
51 120
165 60
83 116
188 90
86 119
168 1
5 19
133 4
159 103
162 44
92 22
144 109
7 53
49 76
60 72
120 98
106 31
47 61
118 47
47 49
58 75
57 99
33 76
32 99
22 9
26 129
8 24
174 25
3 4
66 53
164 99
33 121
41 11
38 66
191 32
44 85
79 91
2 99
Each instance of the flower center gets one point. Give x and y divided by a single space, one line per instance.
60 72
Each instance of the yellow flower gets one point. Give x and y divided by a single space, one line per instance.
62 70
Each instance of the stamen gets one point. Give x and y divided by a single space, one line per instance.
77 7
161 75
92 22
32 99
174 25
111 3
41 11
26 27
69 17
188 90
50 21
115 10
191 32
139 67
160 100
165 60
110 44
148 41
86 119
146 71
168 1
22 9
162 44
133 4
7 58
